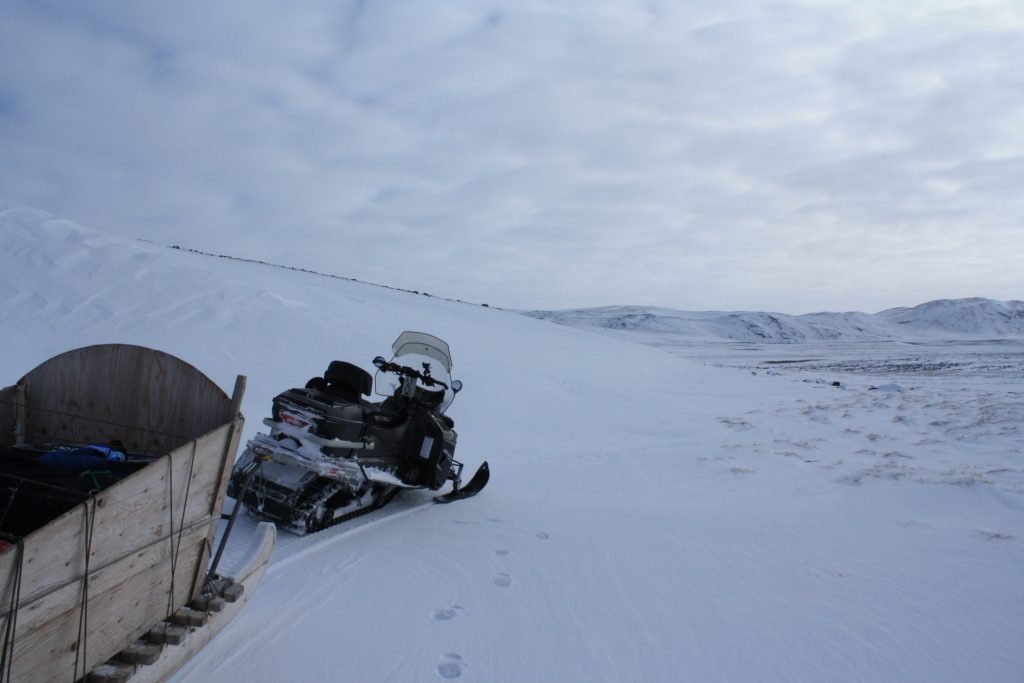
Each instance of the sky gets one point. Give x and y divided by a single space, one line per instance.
737 155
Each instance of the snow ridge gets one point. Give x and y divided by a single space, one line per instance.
969 318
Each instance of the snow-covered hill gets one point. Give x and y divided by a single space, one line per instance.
970 317
964 318
649 518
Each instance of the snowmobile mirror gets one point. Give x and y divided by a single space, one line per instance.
456 385
379 362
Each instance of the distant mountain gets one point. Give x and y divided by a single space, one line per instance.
975 318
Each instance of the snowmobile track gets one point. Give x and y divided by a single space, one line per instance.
382 500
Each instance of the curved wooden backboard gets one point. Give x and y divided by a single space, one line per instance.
151 401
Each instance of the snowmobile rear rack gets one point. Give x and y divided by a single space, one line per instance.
285 428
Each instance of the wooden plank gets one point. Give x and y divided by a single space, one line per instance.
35 612
8 412
156 508
20 415
149 400
217 455
141 652
135 511
219 490
52 557
111 672
237 394
131 514
214 456
167 633
118 613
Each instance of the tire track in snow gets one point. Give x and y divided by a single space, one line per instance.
342 534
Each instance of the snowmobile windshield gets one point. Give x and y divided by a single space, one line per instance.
417 350
421 344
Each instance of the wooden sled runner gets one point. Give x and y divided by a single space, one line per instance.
96 564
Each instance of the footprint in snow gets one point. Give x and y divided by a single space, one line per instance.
736 423
446 613
503 580
543 535
451 665
501 552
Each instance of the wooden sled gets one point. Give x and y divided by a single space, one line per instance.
92 563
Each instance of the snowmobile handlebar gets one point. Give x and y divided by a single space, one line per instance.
406 371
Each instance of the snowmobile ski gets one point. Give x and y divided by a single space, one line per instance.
475 485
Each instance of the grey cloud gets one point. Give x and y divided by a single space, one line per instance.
793 156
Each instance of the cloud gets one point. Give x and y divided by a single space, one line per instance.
793 156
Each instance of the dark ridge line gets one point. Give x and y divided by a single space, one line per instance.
314 272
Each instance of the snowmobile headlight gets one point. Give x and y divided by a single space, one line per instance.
262 452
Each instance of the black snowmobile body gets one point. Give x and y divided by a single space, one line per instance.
331 454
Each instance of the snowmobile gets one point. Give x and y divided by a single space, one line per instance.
331 454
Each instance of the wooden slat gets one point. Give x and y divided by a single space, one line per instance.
131 514
8 411
214 457
36 613
216 502
116 617
135 523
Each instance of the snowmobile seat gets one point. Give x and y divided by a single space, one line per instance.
346 381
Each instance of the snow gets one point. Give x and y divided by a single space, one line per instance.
662 507
961 318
